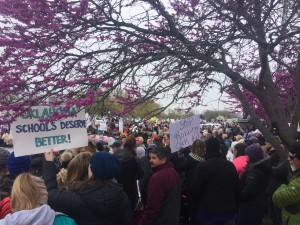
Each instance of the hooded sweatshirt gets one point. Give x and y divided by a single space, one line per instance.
41 215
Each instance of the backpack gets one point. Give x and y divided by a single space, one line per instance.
5 207
62 219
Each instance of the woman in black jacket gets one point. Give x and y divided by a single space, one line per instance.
131 170
195 157
99 201
253 202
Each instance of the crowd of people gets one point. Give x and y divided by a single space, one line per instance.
226 177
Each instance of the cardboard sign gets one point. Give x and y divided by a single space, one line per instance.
31 136
184 132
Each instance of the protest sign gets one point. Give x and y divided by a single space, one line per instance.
184 132
102 125
121 125
32 136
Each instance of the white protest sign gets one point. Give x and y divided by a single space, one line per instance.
32 136
229 121
102 125
184 132
121 125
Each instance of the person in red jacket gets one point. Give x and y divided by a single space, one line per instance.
164 189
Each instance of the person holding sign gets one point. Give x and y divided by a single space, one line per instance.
100 200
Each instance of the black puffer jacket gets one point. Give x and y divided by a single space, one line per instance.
254 183
102 204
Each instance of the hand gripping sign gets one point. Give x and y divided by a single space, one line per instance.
32 136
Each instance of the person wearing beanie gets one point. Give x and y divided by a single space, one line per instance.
254 181
287 196
15 166
215 187
28 203
240 160
157 140
254 153
18 165
98 200
100 145
254 140
104 166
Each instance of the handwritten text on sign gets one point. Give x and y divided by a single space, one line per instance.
184 132
31 136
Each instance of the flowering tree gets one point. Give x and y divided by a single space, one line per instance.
76 50
284 84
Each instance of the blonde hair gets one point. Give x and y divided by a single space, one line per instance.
238 137
61 178
66 156
25 194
